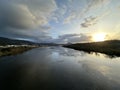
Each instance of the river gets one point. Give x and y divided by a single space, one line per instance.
58 68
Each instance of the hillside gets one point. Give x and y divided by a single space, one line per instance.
13 47
111 47
7 41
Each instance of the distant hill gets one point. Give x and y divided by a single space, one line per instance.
111 47
7 41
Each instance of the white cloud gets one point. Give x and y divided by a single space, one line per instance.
72 38
58 15
90 21
70 18
78 9
92 5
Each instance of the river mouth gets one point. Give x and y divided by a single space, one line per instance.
58 68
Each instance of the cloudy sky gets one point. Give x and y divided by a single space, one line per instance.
59 21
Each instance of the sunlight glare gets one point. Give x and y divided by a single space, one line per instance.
99 37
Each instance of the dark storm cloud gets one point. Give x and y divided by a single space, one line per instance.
35 35
25 18
15 16
25 14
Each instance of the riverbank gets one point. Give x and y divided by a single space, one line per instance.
111 47
14 50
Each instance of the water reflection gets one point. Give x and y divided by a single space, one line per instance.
106 55
68 52
57 68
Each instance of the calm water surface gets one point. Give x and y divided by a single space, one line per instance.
57 68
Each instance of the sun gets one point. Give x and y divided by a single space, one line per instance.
99 37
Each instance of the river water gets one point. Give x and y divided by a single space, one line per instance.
58 68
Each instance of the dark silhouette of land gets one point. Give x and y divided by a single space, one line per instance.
111 47
13 47
7 41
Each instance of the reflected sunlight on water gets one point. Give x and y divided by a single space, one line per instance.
58 68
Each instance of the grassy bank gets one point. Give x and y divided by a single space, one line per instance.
107 47
7 51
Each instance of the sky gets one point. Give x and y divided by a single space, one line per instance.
59 21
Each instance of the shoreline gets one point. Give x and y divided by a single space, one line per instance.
111 48
14 50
